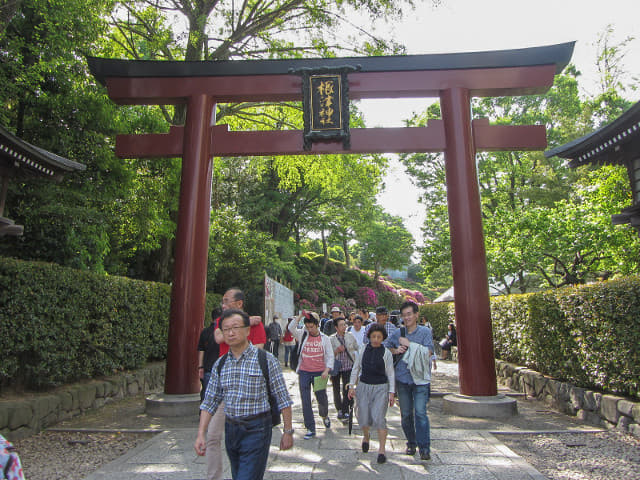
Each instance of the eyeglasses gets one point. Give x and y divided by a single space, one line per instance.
228 330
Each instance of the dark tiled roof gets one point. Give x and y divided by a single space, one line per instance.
608 144
22 157
559 55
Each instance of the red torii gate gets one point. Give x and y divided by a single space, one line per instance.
454 78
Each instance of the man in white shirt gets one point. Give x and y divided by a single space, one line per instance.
357 330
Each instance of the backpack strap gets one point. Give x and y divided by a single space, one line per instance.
221 363
262 360
304 335
398 356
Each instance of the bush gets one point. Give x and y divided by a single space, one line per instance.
586 335
439 315
59 325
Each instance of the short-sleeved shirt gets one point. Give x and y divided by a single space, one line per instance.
421 335
209 346
257 336
312 355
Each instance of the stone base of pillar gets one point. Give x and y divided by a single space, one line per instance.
165 405
482 407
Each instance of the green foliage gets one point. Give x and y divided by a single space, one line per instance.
439 315
386 244
239 256
545 224
587 335
58 325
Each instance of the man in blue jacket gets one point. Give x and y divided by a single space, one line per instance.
413 390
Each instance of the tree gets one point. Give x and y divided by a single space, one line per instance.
385 243
48 101
533 208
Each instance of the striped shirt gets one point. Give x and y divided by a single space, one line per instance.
242 386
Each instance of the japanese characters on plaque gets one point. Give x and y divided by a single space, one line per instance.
325 103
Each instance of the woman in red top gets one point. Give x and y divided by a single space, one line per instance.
289 344
316 359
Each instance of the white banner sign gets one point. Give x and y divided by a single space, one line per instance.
278 301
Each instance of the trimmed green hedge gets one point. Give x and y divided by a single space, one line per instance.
587 335
439 315
59 325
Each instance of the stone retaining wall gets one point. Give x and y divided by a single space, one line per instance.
595 408
24 417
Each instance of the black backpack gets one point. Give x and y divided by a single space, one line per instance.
294 356
273 401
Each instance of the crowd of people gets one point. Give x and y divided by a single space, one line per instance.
371 360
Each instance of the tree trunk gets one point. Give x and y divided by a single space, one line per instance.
345 247
325 252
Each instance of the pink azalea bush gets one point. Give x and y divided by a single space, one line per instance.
366 296
306 305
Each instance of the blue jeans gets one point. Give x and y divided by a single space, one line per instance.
413 412
305 380
247 447
287 351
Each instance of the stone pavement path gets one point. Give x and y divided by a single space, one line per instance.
462 448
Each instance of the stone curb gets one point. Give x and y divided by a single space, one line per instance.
595 408
23 418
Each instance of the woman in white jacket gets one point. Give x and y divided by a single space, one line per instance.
374 376
315 360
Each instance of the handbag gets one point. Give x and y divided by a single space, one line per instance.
337 366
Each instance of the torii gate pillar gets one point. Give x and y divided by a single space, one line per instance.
192 247
471 289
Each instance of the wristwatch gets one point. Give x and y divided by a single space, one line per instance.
290 432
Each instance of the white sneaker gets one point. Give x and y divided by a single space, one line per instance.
309 435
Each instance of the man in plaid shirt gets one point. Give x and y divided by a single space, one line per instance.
382 318
241 385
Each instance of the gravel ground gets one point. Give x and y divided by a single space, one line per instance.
72 456
592 456
607 455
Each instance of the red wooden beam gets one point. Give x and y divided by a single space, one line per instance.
481 82
492 138
363 140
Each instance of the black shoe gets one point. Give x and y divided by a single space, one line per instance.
340 415
425 456
410 451
365 447
326 421
381 458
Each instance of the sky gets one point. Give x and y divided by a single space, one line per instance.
479 25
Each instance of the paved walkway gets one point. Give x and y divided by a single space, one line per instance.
462 448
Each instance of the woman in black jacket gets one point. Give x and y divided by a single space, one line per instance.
449 341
